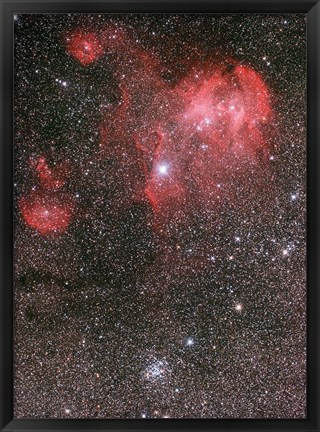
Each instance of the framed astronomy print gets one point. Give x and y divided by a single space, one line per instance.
160 176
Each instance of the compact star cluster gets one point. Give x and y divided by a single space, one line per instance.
160 209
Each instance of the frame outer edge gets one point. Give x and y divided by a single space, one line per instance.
317 131
313 214
314 51
6 223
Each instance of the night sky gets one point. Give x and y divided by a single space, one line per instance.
160 209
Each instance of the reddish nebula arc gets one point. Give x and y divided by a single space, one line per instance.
47 212
52 178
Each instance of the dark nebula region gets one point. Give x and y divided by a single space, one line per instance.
160 166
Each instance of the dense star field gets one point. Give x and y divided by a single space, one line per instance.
160 208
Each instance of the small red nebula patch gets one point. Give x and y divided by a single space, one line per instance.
52 178
47 212
84 46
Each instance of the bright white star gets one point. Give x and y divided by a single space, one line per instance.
163 169
189 342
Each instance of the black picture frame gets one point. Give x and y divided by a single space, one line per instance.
312 9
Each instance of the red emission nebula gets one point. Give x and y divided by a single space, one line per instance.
47 212
186 139
84 46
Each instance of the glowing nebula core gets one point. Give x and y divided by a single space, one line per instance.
84 46
228 109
